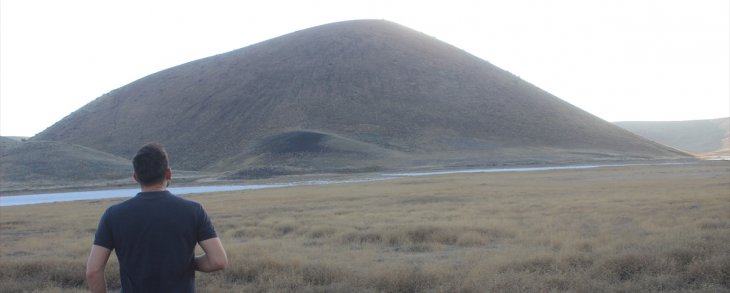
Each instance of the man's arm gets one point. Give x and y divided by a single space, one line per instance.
95 268
214 258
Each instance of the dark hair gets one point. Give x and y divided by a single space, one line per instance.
150 164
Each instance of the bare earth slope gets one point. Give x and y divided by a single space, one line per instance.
361 95
711 136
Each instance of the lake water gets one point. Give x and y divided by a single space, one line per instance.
112 193
17 200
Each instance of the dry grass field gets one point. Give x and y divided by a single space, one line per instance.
617 229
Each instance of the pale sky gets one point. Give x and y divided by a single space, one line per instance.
620 60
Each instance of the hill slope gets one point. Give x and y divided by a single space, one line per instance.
7 143
363 94
38 164
710 136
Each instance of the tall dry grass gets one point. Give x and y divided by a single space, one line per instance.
628 229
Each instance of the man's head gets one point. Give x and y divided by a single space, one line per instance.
150 165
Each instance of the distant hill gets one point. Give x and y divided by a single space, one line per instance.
39 164
701 137
345 97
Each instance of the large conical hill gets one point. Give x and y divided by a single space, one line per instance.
353 95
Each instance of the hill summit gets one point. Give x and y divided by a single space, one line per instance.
348 96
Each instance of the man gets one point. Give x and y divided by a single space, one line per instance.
154 235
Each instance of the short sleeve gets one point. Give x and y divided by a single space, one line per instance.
103 236
205 229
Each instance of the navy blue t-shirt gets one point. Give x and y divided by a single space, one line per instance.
154 235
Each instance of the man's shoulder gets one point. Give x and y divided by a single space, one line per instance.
183 201
181 204
119 205
139 206
169 199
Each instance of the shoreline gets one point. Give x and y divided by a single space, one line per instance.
128 191
213 179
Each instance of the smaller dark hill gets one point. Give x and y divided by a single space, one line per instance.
38 164
297 142
305 151
695 136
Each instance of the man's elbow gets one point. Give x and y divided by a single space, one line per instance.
215 258
94 274
220 264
